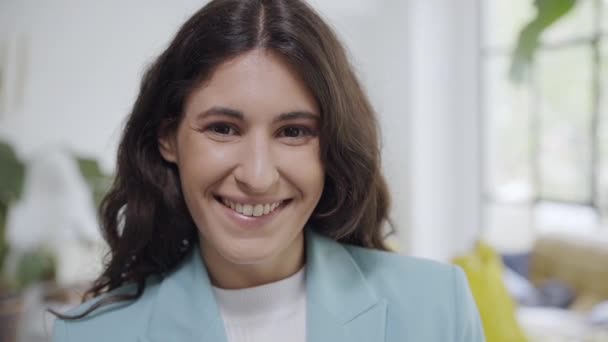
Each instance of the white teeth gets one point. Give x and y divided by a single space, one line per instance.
251 210
247 209
258 210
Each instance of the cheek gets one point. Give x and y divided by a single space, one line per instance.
201 163
304 167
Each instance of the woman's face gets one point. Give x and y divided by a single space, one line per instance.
247 150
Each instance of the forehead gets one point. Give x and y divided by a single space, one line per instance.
257 83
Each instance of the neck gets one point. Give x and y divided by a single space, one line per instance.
225 274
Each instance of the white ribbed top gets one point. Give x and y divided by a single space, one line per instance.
270 312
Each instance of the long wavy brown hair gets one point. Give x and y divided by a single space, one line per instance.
144 218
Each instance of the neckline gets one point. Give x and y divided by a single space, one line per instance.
276 298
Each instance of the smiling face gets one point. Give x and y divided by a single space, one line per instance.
247 150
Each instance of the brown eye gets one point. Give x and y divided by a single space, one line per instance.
222 129
296 132
292 132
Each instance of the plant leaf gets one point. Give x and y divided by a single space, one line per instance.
35 266
98 181
12 174
548 12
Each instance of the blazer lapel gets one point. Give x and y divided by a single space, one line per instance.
341 306
185 308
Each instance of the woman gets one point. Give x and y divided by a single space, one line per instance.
249 203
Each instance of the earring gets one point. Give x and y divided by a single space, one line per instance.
185 246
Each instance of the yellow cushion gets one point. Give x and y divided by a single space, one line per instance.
496 307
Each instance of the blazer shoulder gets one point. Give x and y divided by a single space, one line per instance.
109 321
407 281
388 265
417 287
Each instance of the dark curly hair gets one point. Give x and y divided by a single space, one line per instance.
144 217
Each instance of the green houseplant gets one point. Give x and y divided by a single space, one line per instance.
548 12
33 266
12 177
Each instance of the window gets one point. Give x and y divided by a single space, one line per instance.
546 138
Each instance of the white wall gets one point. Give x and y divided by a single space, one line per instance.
444 137
83 66
416 58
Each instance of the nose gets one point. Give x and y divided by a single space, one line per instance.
257 171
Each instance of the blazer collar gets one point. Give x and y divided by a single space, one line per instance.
185 308
341 306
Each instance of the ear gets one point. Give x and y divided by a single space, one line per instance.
167 145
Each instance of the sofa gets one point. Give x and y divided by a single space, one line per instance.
578 263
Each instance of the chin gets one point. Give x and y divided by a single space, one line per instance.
248 252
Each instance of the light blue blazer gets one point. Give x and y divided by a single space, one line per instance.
353 294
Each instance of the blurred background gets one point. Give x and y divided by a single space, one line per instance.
495 145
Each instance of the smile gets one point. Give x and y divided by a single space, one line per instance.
254 210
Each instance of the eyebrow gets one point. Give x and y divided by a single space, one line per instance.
238 115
